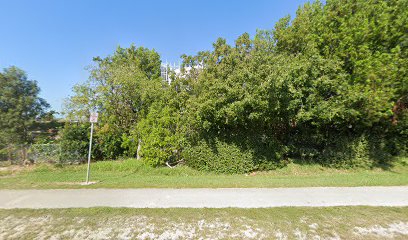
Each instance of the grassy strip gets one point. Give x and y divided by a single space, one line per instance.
279 223
133 174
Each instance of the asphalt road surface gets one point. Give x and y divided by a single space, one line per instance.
205 198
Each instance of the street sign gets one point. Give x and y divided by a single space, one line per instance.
94 117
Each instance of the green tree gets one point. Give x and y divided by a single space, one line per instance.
365 43
329 85
334 74
20 105
121 88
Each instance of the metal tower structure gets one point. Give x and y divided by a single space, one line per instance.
166 69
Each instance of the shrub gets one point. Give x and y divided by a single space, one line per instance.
74 143
345 149
107 142
219 157
399 136
161 137
227 155
347 153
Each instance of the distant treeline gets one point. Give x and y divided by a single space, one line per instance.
329 86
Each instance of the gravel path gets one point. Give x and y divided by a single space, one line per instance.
201 198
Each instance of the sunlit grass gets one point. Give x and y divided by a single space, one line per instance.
131 173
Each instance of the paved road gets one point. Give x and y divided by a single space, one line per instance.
210 198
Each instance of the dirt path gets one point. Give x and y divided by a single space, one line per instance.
209 198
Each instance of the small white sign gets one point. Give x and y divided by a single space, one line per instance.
94 117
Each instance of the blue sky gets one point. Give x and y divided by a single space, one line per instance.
54 41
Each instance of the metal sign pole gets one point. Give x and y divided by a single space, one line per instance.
89 154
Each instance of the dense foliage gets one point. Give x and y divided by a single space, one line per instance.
121 87
328 86
20 106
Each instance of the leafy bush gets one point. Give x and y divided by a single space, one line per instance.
346 153
74 143
344 150
107 142
219 157
399 136
227 155
161 138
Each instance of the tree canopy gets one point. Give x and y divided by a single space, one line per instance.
20 105
329 85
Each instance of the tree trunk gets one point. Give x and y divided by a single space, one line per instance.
9 152
139 147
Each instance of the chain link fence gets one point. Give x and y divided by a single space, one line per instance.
39 153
